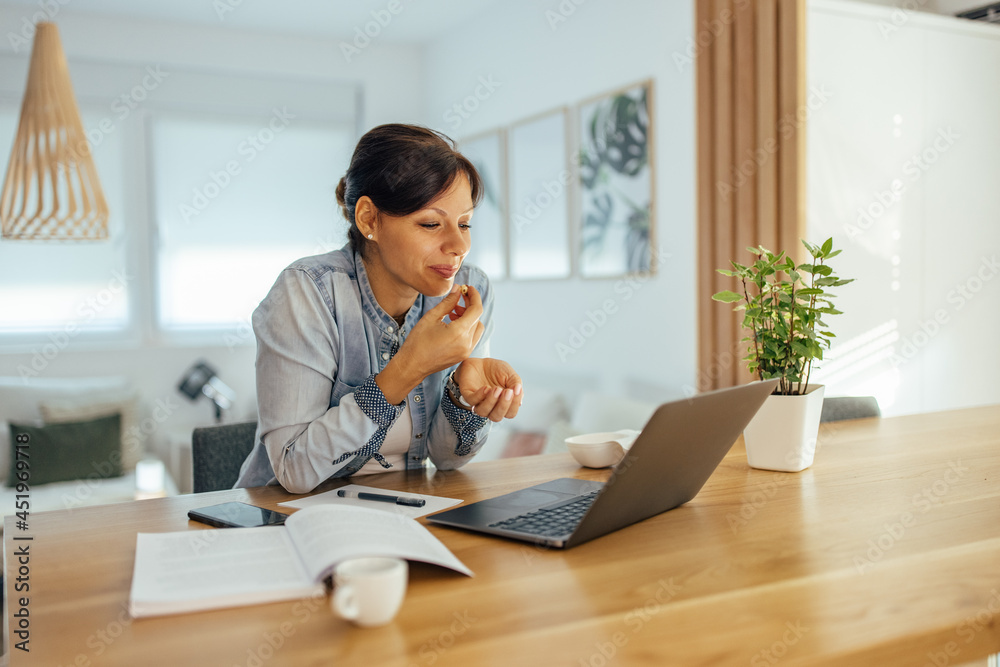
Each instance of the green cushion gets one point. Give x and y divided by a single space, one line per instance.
69 450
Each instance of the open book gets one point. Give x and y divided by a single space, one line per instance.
193 570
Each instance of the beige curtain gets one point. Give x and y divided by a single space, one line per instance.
750 63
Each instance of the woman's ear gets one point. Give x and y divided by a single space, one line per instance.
366 216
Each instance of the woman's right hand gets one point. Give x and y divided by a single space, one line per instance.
433 344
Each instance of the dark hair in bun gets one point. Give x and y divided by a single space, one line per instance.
402 168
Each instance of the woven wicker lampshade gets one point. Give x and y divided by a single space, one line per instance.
51 191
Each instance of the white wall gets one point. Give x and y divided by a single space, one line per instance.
391 77
543 59
391 73
902 167
947 7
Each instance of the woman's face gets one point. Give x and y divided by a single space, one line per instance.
422 251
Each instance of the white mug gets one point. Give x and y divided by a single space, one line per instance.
369 591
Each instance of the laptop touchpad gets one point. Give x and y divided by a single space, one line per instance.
526 498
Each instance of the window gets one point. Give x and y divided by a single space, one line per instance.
215 181
65 287
236 200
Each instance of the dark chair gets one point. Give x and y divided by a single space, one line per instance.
217 452
840 408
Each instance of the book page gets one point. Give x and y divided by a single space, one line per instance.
325 535
207 569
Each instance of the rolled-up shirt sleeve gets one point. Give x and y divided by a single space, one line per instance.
306 440
466 424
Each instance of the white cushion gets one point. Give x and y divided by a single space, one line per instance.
596 413
599 413
541 408
556 440
499 435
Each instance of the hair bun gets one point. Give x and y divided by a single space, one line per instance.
341 201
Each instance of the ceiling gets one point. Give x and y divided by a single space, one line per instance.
424 19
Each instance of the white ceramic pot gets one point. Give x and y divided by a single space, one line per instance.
782 435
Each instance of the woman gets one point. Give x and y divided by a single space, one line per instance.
374 357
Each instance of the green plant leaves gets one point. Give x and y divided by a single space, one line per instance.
783 305
727 296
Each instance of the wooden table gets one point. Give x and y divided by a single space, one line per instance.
885 552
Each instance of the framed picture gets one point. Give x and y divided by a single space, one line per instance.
487 152
615 180
540 182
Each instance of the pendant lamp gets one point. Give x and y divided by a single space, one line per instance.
51 191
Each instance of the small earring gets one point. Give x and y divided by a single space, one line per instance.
371 236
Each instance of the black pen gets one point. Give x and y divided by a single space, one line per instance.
408 502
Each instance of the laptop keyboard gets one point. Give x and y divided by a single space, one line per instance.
550 522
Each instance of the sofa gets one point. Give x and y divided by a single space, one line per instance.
86 444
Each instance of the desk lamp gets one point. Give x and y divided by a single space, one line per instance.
201 379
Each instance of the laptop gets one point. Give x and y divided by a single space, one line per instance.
671 459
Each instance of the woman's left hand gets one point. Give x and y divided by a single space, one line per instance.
491 386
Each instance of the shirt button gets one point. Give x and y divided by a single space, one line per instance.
388 329
417 398
385 355
420 435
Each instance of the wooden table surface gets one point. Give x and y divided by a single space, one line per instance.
885 552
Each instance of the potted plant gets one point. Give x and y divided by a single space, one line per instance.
783 307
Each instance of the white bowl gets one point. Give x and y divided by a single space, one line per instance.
600 450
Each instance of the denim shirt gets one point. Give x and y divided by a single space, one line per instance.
321 339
